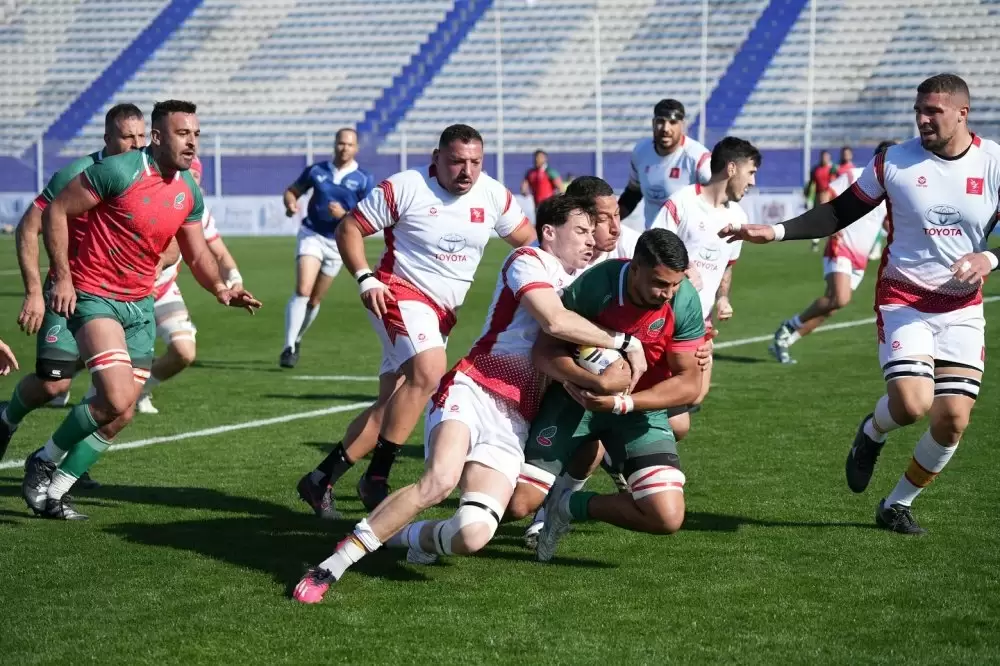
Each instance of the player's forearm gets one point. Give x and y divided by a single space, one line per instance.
550 357
726 284
227 265
205 270
351 243
682 389
28 230
571 327
826 219
627 202
55 233
290 198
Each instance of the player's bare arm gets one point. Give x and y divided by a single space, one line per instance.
629 199
291 199
722 305
555 320
682 388
819 222
74 200
228 269
351 243
205 269
553 357
7 360
523 235
29 228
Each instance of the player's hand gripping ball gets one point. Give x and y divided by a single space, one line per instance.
608 364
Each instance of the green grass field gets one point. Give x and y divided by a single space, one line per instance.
194 544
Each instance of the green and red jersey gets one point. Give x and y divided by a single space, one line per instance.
60 179
601 295
542 182
139 211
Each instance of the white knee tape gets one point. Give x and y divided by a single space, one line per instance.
365 535
178 328
473 509
907 367
657 479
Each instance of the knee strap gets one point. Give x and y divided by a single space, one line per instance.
473 509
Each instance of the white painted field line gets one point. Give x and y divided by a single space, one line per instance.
333 378
218 430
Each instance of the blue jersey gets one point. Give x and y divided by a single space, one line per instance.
352 188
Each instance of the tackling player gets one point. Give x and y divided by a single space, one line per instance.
942 194
173 322
137 203
437 221
337 187
663 164
57 358
479 415
844 261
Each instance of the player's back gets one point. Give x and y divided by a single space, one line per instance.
938 210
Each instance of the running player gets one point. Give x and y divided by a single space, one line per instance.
942 194
651 299
437 221
173 322
663 164
57 357
337 187
479 416
844 263
137 202
696 214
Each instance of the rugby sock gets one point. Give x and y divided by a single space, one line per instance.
52 453
15 411
409 536
295 315
80 459
77 426
310 317
881 423
792 326
578 503
929 458
332 468
356 545
382 459
151 383
575 484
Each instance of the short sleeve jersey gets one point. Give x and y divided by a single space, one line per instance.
137 213
601 295
434 240
500 360
346 186
856 241
698 223
937 211
60 179
542 182
658 177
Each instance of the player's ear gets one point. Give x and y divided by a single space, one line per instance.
154 137
731 169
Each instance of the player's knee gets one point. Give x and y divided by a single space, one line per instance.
52 388
184 352
475 522
839 300
436 484
681 425
666 521
912 406
948 425
426 370
524 502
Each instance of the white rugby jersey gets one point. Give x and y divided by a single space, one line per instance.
500 360
659 177
169 273
938 210
698 223
856 241
433 239
624 249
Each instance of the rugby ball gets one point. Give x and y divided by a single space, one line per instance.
595 359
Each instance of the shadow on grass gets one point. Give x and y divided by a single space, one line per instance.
735 358
253 366
321 397
415 451
696 521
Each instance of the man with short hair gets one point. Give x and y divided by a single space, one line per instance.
57 356
942 193
136 203
663 163
337 186
541 181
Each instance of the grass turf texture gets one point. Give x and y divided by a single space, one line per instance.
194 545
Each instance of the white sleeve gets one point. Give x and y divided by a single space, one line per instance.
524 271
626 243
840 184
511 217
633 173
208 226
381 208
734 252
669 217
704 167
871 184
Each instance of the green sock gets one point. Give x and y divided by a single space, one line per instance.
84 455
77 426
16 409
578 502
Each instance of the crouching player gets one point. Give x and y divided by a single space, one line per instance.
652 300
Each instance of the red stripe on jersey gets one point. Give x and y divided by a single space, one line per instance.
701 160
665 484
388 261
879 325
731 263
367 228
521 478
524 221
40 202
530 287
393 321
861 194
441 395
519 252
697 188
672 209
976 141
506 206
880 168
390 199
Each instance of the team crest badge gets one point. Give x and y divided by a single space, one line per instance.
52 335
179 201
545 436
657 325
675 172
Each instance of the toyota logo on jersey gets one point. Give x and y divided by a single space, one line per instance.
943 215
452 243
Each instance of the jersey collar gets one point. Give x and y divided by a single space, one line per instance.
622 283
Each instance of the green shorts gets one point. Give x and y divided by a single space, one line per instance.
136 319
56 354
633 441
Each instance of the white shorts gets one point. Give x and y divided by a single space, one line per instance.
497 433
843 265
409 328
172 318
957 337
311 244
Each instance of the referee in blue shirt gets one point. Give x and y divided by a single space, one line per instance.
337 186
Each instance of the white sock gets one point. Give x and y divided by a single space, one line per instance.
52 453
408 537
358 543
575 484
311 313
61 483
795 322
151 383
881 423
295 315
929 458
